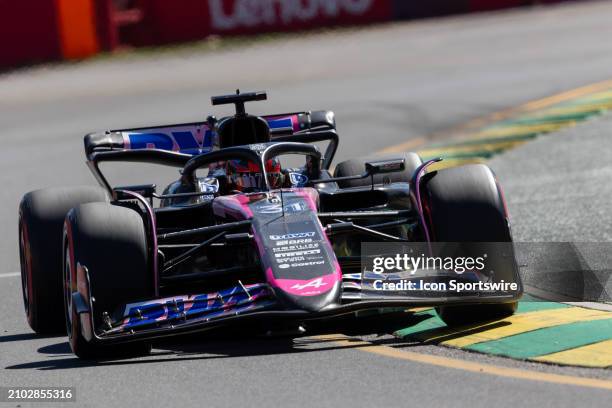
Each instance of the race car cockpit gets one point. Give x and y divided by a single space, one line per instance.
234 175
176 144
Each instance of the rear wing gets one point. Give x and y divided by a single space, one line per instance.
175 145
197 138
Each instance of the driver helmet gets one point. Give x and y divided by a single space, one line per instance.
244 175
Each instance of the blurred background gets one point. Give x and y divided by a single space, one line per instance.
50 30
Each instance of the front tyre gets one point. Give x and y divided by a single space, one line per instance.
107 244
465 204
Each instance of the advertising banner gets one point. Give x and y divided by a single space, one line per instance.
197 19
247 16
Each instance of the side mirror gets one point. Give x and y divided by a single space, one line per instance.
385 166
372 168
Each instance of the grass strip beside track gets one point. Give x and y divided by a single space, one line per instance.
522 323
533 344
538 330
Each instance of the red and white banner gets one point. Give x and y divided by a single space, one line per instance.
42 30
247 16
168 21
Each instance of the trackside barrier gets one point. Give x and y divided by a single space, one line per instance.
165 23
28 32
33 31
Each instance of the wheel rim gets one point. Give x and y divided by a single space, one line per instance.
24 262
68 291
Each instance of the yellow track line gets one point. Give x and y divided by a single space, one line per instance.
521 130
504 114
566 96
475 367
484 147
403 147
517 324
598 96
592 355
565 110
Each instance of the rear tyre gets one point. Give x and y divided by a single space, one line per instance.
41 220
355 167
465 205
110 242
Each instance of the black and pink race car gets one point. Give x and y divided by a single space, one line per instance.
241 238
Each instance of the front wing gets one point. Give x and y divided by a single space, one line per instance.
194 313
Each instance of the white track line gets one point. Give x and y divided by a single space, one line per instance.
10 275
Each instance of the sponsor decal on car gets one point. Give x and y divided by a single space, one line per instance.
270 209
298 179
295 207
189 139
274 204
258 147
315 283
298 253
293 236
311 263
190 306
308 287
297 247
209 185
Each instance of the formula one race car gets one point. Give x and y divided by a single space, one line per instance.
241 238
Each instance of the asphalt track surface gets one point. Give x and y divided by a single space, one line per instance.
388 85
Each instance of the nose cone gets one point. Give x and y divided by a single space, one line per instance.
309 295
